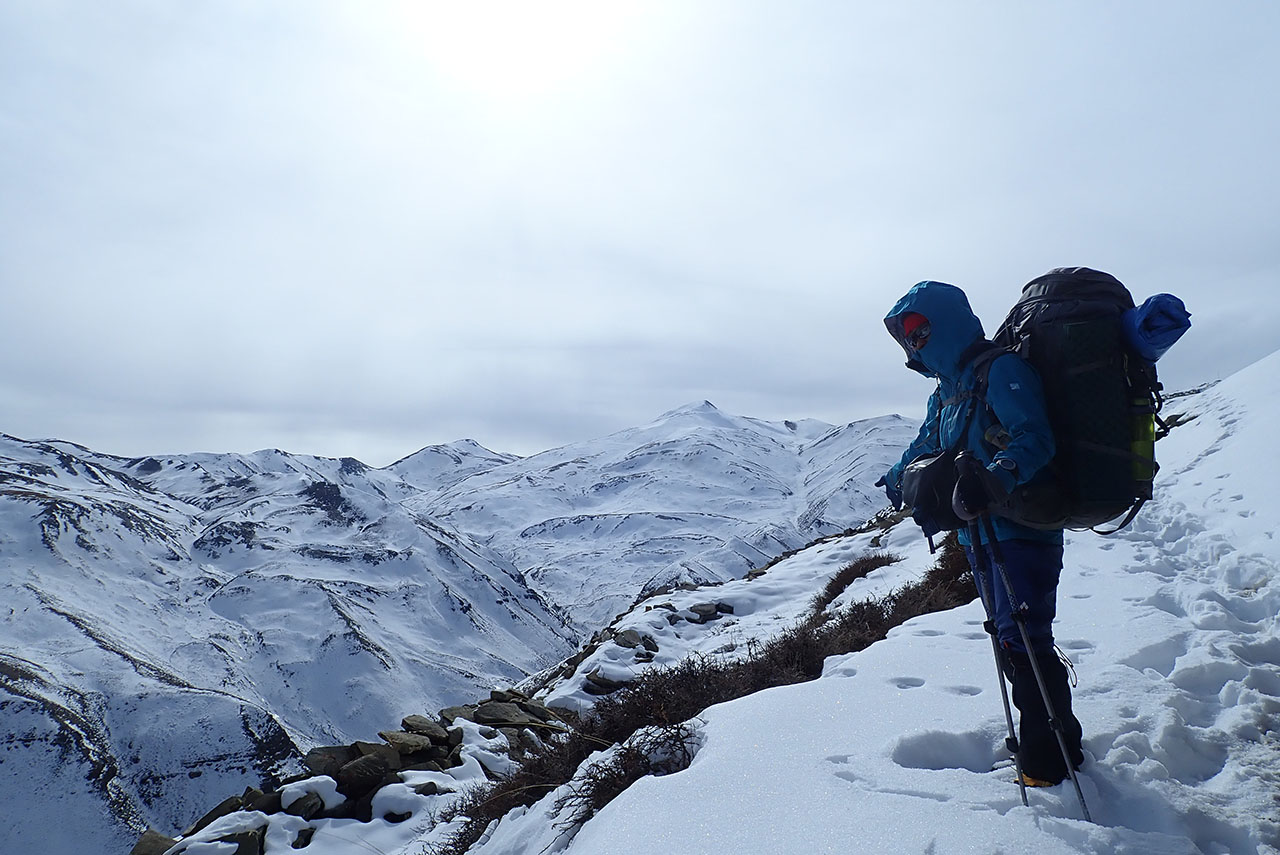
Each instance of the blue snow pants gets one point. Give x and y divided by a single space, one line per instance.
1033 569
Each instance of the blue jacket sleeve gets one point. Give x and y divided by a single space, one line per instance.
1016 397
927 441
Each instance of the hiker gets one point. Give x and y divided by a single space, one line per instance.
1007 430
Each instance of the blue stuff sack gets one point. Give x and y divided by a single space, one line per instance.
1152 328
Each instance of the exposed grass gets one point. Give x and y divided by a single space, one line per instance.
848 574
663 699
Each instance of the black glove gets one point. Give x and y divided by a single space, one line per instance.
894 494
977 489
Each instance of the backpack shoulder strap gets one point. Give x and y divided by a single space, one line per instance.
980 354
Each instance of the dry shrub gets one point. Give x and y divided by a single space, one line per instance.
851 572
664 698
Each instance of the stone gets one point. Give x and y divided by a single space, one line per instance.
426 727
425 766
303 840
455 737
450 714
536 710
507 695
724 608
360 775
328 759
434 754
498 712
628 638
395 818
152 843
644 656
704 609
247 842
306 807
650 643
407 743
266 803
674 619
487 732
596 684
390 755
226 806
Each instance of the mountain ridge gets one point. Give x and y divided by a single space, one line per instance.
268 602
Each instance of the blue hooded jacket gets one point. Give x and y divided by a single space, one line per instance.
1014 399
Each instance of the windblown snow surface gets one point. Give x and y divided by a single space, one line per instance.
1172 625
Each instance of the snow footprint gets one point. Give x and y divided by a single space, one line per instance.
940 749
907 682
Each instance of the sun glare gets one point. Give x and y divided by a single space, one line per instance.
514 49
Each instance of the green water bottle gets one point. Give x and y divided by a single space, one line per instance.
1143 446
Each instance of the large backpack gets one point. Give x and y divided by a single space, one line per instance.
1102 401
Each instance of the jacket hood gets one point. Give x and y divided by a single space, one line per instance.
954 327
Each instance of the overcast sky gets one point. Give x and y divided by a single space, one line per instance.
358 228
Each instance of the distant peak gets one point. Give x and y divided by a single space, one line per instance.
699 407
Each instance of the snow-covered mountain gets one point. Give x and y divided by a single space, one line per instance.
1173 625
695 496
216 614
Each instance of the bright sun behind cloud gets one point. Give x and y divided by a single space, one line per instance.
519 49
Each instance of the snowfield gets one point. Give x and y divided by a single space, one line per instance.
1172 626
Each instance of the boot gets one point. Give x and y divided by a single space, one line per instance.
1040 754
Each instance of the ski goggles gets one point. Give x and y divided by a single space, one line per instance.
918 337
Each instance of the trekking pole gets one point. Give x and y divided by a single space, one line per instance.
1019 612
988 606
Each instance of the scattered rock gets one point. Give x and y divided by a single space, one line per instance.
674 619
724 608
303 840
704 609
644 656
596 684
501 712
307 806
507 695
407 743
628 638
360 775
227 806
451 714
536 710
420 724
389 755
266 803
247 842
152 843
327 760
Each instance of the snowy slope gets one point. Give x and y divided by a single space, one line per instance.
213 612
696 496
1173 628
